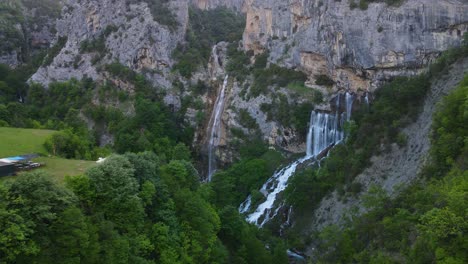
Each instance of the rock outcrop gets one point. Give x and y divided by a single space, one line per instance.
356 48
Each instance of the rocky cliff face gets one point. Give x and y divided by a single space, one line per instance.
356 48
132 37
26 27
136 38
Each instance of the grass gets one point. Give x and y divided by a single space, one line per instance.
18 141
59 167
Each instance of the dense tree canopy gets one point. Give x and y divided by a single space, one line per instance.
129 209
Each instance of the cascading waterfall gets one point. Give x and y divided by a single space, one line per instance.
215 58
349 105
325 130
215 132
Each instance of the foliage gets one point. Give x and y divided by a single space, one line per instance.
276 76
246 120
324 80
205 29
450 134
238 61
130 208
288 114
69 145
55 50
161 12
10 15
363 4
13 87
423 224
62 105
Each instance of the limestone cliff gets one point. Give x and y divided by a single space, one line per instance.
132 36
356 48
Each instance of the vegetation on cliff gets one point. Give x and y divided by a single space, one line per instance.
206 28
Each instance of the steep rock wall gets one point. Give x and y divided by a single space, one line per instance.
356 48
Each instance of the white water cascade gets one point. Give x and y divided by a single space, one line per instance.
325 130
215 125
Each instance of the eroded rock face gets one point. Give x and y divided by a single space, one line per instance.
356 48
133 39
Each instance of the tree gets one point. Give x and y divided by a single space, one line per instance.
15 231
117 193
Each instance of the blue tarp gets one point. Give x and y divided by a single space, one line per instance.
22 157
17 158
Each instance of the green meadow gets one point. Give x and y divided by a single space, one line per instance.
18 141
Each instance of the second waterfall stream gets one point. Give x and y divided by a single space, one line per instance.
325 130
215 129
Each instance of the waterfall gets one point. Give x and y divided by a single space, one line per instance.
279 180
349 105
215 132
325 130
215 57
245 206
293 254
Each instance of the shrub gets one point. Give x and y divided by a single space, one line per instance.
55 50
205 29
324 80
246 120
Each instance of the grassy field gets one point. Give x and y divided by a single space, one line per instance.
18 141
